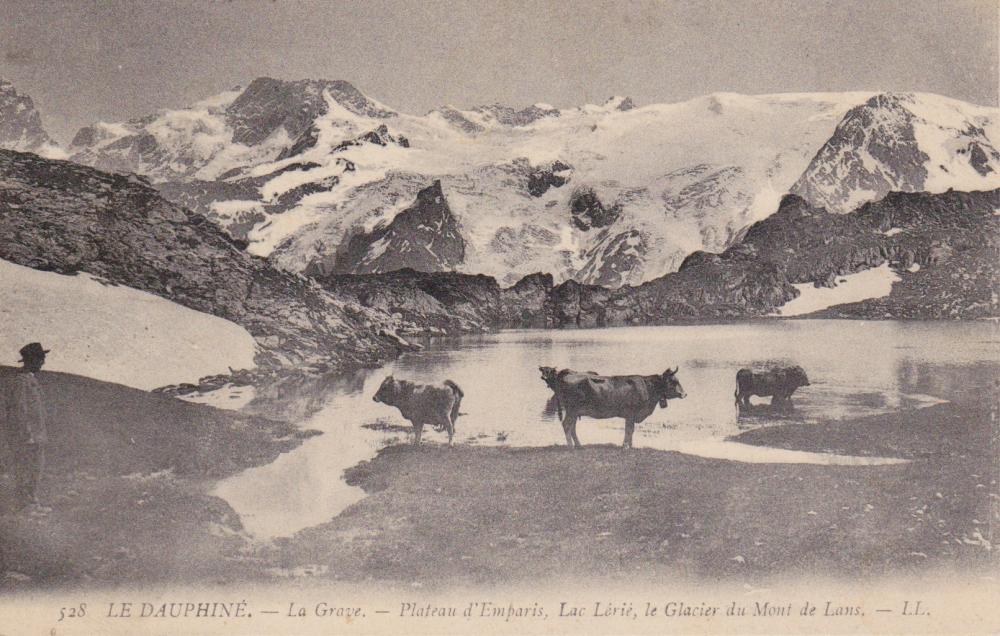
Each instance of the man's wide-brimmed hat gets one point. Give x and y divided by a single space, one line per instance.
32 350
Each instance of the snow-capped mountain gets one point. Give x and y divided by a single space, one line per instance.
237 128
904 143
315 175
21 124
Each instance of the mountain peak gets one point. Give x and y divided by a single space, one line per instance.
268 104
20 123
907 142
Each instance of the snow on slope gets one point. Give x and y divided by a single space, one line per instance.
114 333
853 288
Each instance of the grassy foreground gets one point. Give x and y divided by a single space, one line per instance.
128 476
492 515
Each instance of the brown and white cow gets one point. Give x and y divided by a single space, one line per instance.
632 397
434 404
779 383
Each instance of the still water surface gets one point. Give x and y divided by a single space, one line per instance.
856 368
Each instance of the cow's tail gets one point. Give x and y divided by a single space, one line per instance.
458 401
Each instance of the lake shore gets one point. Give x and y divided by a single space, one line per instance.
129 503
495 515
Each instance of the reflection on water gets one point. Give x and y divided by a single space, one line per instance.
856 368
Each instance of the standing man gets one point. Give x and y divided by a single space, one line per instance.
23 419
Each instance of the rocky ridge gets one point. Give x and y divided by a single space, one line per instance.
944 247
67 218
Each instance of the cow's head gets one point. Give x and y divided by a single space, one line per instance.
669 387
798 376
549 376
386 391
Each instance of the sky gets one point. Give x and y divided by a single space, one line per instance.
83 61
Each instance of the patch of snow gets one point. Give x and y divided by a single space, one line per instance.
913 268
114 333
52 151
871 283
234 207
893 231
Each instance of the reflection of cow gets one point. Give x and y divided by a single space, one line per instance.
779 383
421 404
632 397
550 376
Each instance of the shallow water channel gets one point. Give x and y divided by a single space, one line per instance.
856 368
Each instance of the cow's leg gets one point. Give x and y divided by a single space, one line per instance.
629 429
568 423
451 431
418 428
786 402
576 440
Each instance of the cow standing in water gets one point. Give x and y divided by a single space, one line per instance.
422 404
632 397
778 383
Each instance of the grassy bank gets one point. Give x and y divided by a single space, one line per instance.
126 477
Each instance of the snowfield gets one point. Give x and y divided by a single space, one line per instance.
114 333
681 177
871 283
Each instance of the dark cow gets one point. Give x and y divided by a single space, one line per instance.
632 397
421 404
779 383
550 376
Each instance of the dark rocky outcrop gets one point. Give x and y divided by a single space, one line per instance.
589 212
66 218
425 237
542 178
